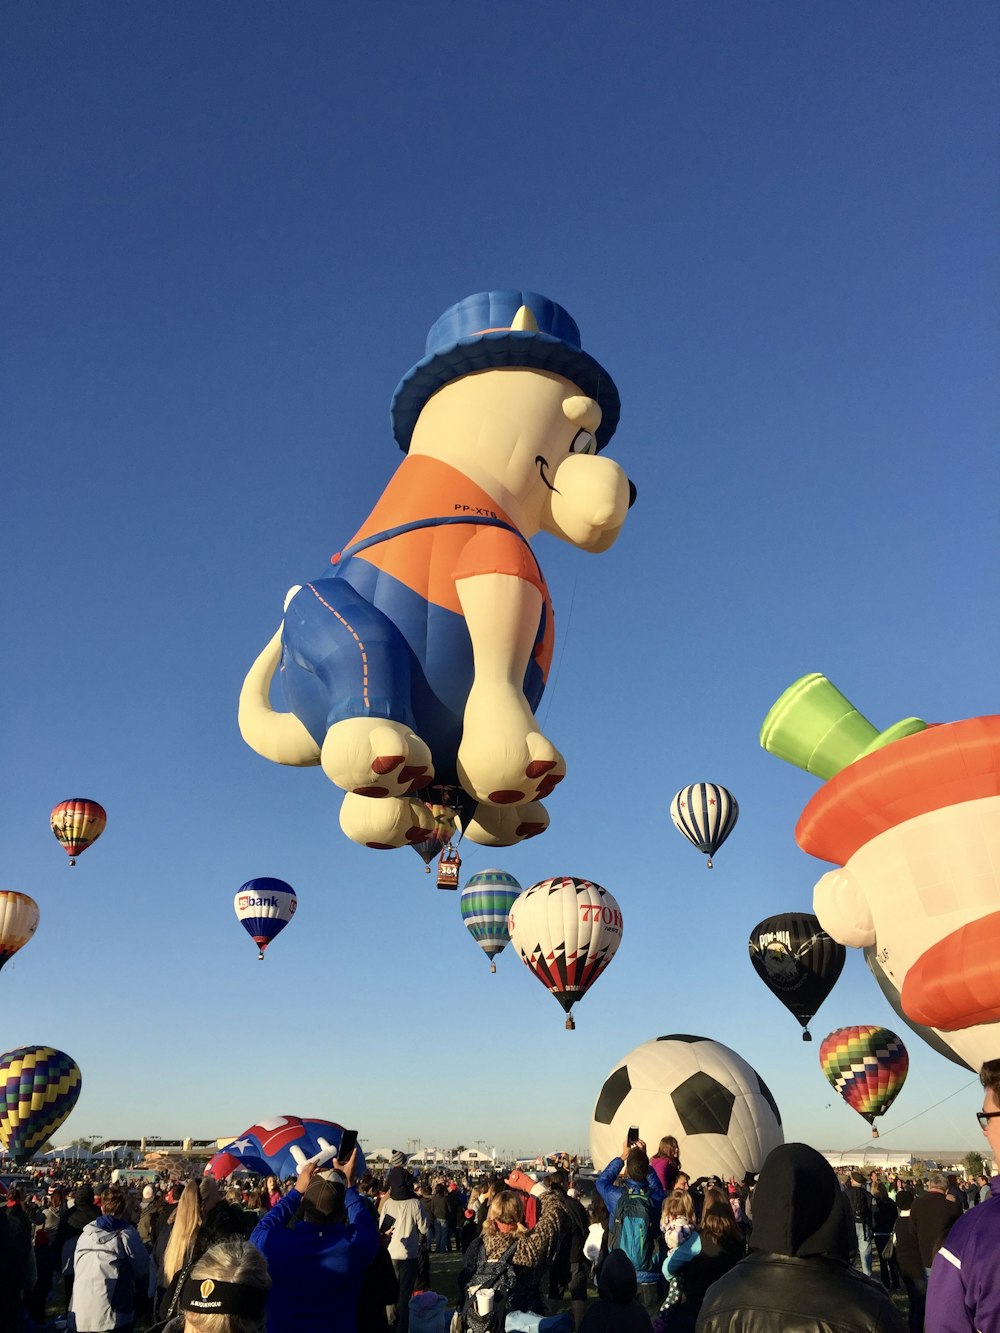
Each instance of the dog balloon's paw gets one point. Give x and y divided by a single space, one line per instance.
499 771
504 825
386 822
376 757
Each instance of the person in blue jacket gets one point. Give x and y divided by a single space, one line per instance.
639 1179
317 1241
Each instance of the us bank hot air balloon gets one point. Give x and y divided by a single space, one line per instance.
567 931
264 907
486 902
77 823
18 922
797 961
867 1066
706 814
39 1086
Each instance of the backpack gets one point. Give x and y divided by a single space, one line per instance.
634 1228
499 1276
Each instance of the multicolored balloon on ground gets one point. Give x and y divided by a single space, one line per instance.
39 1086
567 931
18 922
867 1065
77 823
264 907
797 961
486 902
706 814
278 1146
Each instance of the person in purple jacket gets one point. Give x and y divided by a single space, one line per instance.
317 1241
963 1294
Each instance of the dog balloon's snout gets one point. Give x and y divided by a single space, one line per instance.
631 493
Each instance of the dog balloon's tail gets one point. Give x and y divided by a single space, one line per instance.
277 736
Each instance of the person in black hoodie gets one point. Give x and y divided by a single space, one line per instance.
616 1310
798 1270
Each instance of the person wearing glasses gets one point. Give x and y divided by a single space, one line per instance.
963 1294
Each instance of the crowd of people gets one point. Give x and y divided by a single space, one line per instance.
332 1253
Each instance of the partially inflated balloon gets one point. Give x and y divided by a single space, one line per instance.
867 1066
486 902
445 823
278 1146
265 907
566 931
39 1087
797 961
934 1039
706 814
77 823
18 922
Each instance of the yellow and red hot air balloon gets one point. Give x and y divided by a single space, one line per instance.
77 823
567 931
18 922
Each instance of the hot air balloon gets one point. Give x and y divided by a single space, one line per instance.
867 1066
934 1039
77 823
706 814
797 961
445 823
265 907
38 1088
486 902
18 922
278 1146
566 931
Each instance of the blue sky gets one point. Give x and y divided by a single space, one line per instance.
227 230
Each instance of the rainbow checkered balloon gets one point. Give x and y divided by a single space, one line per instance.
867 1066
38 1088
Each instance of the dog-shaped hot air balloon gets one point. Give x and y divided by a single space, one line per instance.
413 667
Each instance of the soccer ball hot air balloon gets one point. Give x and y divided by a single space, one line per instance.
39 1086
567 931
18 922
77 823
797 961
867 1066
706 814
486 902
265 907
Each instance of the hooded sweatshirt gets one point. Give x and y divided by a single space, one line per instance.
798 1275
109 1263
616 1310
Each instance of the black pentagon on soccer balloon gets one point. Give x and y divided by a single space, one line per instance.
703 1105
765 1092
679 1036
617 1087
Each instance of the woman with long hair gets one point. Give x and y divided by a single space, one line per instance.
701 1260
182 1247
667 1162
507 1256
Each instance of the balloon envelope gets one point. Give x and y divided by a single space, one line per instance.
706 814
445 823
486 902
18 922
867 1065
278 1147
264 907
77 823
934 1039
567 931
39 1087
797 961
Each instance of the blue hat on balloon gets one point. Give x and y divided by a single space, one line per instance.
502 328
